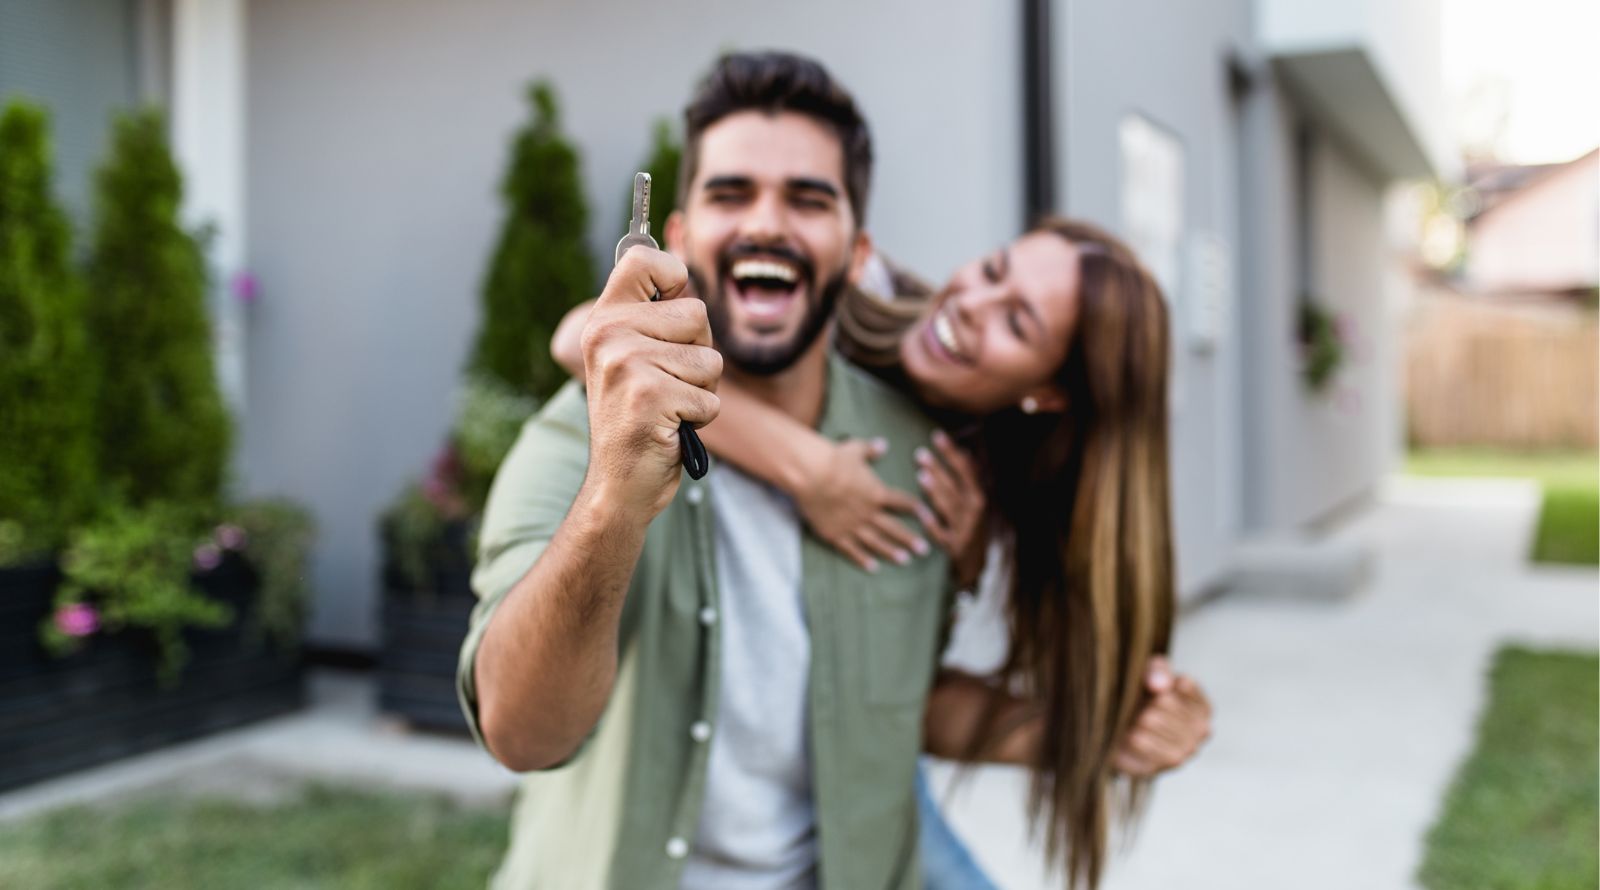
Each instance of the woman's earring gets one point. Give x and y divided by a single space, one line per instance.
1030 405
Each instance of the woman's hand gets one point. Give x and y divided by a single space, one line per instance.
849 507
1175 722
954 513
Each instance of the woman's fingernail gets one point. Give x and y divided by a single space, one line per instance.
920 546
880 445
902 557
872 566
940 437
925 477
922 455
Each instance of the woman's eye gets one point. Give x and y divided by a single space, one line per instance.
990 273
1014 318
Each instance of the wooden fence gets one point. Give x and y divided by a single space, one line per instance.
1502 374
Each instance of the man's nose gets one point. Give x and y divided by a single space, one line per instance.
763 220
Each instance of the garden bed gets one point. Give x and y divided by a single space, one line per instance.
107 700
423 626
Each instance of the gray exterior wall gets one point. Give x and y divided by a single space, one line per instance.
83 60
1308 455
376 134
1175 74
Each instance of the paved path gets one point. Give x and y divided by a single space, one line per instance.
1338 725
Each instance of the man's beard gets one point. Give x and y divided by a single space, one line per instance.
765 360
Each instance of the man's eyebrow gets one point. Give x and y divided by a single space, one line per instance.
808 184
728 182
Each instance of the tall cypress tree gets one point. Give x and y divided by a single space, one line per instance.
160 415
541 265
46 373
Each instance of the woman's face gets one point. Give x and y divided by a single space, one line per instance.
999 330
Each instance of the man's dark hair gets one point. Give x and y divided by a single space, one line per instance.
774 82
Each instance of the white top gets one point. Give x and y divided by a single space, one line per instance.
757 824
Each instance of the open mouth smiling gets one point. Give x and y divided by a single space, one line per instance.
939 335
765 286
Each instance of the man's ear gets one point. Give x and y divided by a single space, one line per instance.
860 252
673 234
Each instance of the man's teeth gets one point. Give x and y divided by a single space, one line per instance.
946 334
747 269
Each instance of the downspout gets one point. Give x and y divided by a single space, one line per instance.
1038 114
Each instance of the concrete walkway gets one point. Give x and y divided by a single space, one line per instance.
1338 726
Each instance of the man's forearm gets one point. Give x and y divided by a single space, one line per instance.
547 661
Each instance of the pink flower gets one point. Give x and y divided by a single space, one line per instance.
244 288
230 536
77 619
207 557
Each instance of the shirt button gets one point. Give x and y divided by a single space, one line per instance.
696 494
708 616
677 848
700 731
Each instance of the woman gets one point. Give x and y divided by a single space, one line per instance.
1047 362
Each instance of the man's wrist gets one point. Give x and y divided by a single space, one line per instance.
599 509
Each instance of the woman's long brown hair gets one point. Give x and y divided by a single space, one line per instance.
1081 501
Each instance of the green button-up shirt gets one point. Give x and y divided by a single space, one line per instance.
621 813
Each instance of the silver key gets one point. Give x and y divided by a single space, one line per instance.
638 227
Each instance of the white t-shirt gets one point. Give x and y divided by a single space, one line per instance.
757 824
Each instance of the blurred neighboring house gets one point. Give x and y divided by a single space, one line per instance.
350 153
1504 354
1537 229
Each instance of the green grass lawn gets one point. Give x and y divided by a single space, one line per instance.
1521 813
324 838
1569 521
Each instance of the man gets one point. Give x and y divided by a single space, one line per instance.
712 699
709 697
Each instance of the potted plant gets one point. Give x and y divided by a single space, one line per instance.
138 607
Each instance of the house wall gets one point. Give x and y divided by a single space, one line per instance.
1176 76
83 61
1544 238
376 132
1308 454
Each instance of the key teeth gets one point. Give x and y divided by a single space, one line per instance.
641 203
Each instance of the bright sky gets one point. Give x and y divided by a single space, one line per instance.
1533 64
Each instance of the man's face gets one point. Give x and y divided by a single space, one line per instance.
768 235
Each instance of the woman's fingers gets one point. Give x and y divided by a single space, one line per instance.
938 486
876 542
856 554
963 470
897 532
894 500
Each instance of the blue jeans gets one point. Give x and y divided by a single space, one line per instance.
946 863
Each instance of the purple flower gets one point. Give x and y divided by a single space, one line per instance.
244 287
230 536
77 619
207 557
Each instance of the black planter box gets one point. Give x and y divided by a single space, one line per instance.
423 627
106 701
